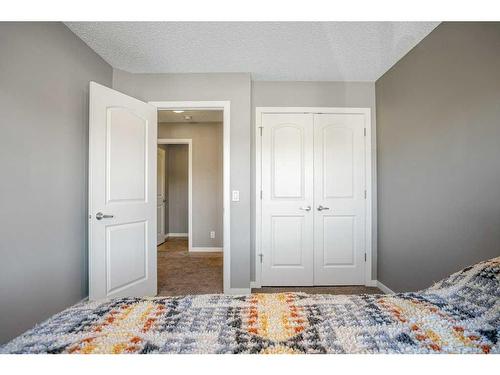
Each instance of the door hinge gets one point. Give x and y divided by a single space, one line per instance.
261 194
260 130
261 256
365 257
364 130
365 194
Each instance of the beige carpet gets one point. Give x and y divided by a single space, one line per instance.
181 272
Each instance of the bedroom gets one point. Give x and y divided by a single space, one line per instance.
359 184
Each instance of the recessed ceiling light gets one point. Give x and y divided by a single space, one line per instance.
178 111
187 118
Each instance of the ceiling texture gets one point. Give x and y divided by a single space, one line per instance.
292 51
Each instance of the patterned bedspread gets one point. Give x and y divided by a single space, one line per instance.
460 314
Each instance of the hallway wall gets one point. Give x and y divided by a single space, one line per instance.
177 187
207 177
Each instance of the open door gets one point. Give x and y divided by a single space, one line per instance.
122 195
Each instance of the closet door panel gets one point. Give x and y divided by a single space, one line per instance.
339 199
287 192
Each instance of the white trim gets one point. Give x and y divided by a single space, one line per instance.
372 283
369 214
258 202
225 106
254 285
90 209
177 235
238 291
370 182
384 289
189 142
201 249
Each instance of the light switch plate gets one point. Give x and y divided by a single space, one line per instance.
236 196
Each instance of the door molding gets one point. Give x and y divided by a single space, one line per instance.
224 106
189 143
370 174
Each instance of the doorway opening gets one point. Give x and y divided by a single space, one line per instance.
190 229
174 189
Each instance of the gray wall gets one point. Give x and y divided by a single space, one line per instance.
44 77
177 187
438 118
313 94
234 87
207 179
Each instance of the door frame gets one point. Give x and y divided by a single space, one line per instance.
189 143
225 106
164 235
370 178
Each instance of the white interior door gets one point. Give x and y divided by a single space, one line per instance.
160 197
122 195
287 199
339 199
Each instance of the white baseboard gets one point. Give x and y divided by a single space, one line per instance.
238 291
176 235
384 289
201 249
254 284
371 283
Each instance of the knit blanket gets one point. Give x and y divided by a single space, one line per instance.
460 314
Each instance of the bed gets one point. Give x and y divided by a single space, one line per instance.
460 314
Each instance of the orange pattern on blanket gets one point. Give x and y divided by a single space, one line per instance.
114 333
275 316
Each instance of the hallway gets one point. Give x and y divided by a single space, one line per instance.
181 272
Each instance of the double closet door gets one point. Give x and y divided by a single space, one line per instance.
313 199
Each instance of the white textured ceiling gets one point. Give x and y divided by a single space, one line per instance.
308 51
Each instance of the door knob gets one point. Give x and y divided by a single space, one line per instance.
100 216
321 208
308 208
